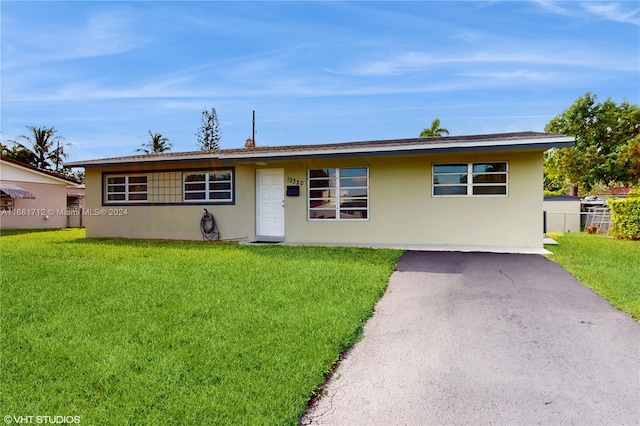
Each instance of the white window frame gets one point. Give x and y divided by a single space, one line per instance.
469 184
128 193
207 191
338 196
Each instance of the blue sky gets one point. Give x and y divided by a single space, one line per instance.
105 73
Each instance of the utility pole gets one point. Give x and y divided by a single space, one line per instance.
58 157
251 143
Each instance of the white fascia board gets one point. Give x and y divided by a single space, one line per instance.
397 148
109 161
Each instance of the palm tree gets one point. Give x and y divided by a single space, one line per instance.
43 145
434 130
157 144
18 153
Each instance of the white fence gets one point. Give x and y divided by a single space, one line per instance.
597 217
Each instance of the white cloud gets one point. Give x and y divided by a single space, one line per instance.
513 76
469 36
103 33
393 65
614 12
555 7
412 62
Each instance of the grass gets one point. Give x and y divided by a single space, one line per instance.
147 332
609 267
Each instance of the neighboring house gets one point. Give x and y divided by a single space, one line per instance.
562 213
33 198
617 192
478 192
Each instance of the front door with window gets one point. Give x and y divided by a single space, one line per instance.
270 203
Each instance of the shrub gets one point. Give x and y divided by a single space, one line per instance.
625 218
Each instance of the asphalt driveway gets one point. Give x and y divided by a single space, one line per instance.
484 338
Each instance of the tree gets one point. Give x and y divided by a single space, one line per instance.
77 175
42 145
209 132
554 181
606 147
630 158
156 145
434 130
19 154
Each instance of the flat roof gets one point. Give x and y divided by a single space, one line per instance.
561 198
491 142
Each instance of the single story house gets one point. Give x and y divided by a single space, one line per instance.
481 192
32 198
562 213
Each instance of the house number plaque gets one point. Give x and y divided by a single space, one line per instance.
294 181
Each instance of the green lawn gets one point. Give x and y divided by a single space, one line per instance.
142 332
610 267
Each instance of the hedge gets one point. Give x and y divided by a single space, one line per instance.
625 218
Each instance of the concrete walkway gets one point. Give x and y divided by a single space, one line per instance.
481 338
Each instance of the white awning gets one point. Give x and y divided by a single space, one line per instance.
14 191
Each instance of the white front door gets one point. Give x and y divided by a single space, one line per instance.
270 202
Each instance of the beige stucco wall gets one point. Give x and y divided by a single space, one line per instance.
181 221
401 207
403 211
45 211
562 216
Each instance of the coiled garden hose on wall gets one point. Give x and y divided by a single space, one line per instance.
208 227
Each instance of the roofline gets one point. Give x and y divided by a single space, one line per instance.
34 169
141 159
509 141
399 150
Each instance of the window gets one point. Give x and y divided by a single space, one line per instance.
475 179
74 202
339 193
126 189
6 202
216 186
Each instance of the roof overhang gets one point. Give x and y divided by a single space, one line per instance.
526 141
14 191
48 174
393 151
142 159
